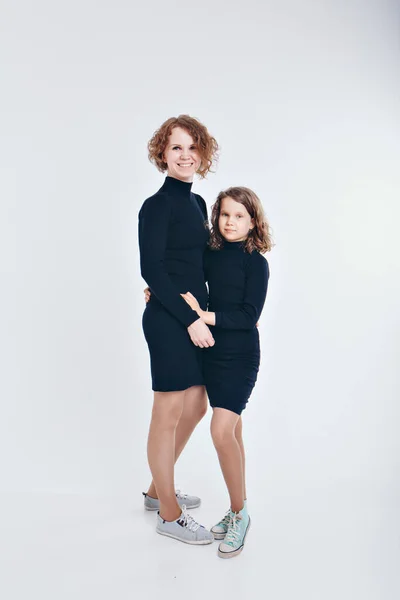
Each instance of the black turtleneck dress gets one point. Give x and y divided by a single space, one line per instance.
237 283
173 236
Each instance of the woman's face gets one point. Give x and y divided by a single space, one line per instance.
181 155
234 221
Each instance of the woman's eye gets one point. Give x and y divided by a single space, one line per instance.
240 216
175 148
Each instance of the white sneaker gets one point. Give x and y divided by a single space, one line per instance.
184 529
183 499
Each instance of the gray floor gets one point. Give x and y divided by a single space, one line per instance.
310 544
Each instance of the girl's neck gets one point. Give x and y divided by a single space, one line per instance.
232 245
237 242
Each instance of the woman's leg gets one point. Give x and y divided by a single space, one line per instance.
194 409
238 435
223 426
167 410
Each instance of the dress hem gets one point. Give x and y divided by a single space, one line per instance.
180 389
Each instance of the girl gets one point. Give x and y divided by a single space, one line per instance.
237 276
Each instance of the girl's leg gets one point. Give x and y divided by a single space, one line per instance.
223 424
238 435
167 410
194 409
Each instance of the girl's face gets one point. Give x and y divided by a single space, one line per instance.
181 155
234 221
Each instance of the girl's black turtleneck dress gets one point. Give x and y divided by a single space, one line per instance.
173 235
237 282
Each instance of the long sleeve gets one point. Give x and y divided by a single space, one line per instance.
154 218
255 293
203 206
206 263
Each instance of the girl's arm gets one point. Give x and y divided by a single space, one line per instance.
154 219
247 316
208 317
255 293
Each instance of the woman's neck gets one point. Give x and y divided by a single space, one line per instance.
187 180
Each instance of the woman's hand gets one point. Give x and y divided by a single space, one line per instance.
193 303
200 334
147 294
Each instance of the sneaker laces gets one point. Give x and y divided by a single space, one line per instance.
232 535
227 518
188 521
179 494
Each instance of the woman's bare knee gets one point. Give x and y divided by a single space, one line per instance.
195 403
167 408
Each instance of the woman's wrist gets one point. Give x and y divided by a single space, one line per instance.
208 317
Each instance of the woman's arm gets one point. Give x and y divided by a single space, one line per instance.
154 219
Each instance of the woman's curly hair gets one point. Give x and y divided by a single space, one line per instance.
206 144
259 237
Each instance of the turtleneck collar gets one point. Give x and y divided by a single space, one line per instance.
177 186
234 245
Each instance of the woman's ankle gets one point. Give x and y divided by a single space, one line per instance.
152 492
170 514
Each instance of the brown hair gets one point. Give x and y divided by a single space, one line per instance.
206 144
259 238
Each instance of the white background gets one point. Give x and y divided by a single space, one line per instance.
303 98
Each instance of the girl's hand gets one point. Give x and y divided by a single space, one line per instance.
193 303
147 294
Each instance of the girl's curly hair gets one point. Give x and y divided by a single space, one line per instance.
206 144
259 237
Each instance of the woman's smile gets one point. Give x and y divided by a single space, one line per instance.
181 155
185 165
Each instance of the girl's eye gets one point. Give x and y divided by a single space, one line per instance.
175 148
239 216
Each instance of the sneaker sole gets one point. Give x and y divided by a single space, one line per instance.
192 543
152 509
218 536
235 552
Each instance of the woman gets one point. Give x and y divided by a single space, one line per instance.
173 235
